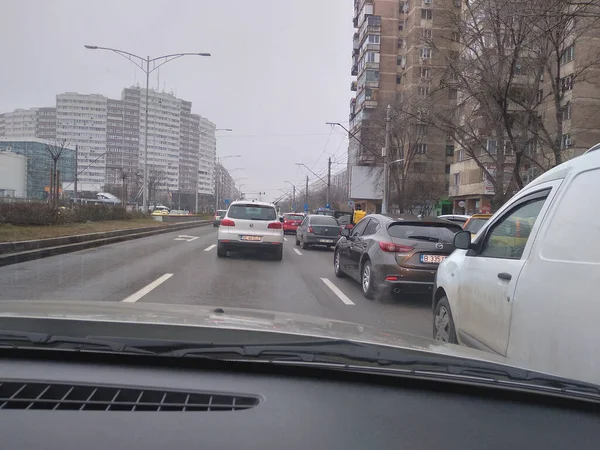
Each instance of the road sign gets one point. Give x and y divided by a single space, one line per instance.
351 204
226 201
327 206
306 207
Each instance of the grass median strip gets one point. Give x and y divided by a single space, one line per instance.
12 233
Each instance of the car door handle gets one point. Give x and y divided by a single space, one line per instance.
505 276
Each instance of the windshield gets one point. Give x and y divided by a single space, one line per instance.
252 212
475 225
427 232
323 220
165 161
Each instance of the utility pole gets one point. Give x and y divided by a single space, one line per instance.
146 190
75 183
124 188
306 193
384 153
328 179
294 198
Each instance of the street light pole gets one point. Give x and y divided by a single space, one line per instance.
385 153
144 65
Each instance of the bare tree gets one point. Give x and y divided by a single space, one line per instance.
156 180
55 149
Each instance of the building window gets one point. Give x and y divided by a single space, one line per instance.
461 155
566 140
426 33
566 83
373 39
372 76
449 150
421 129
399 60
566 113
425 72
568 55
424 91
452 94
403 7
426 14
400 43
398 79
457 179
421 149
372 57
491 146
540 96
425 53
455 36
447 168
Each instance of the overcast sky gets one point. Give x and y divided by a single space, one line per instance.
279 70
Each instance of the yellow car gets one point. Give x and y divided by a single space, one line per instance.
160 212
475 222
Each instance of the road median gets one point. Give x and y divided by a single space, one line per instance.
16 252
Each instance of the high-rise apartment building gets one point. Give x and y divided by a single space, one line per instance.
397 56
29 123
208 153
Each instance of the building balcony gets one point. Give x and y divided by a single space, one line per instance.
353 86
372 84
370 104
373 47
372 65
371 25
354 70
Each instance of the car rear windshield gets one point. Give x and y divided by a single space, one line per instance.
475 225
344 220
323 220
221 213
425 232
294 216
252 212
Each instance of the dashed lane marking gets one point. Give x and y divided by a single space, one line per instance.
210 247
145 290
337 292
285 239
298 251
183 237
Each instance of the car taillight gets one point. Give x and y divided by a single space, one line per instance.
227 223
395 248
310 230
275 225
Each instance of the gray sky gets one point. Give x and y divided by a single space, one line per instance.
280 69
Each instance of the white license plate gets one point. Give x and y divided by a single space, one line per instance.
432 259
251 238
326 241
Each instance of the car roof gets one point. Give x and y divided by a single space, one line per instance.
319 215
251 202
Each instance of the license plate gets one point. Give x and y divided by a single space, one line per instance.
326 241
250 238
432 259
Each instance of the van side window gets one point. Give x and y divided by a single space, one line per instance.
508 237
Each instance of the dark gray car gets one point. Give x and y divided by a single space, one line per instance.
318 230
394 254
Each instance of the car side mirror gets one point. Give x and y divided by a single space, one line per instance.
462 240
281 219
345 232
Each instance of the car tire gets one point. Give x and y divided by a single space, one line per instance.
297 241
337 269
279 253
304 244
367 280
221 251
443 323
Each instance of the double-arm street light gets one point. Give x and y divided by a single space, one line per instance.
144 65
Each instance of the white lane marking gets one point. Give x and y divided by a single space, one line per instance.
298 251
183 237
337 292
210 247
285 239
139 294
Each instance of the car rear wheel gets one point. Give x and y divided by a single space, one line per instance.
443 324
279 253
304 244
337 268
221 252
367 280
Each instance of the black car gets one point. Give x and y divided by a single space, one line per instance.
318 230
219 214
394 254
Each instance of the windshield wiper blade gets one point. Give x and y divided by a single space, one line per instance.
18 339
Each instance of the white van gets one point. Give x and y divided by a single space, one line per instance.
526 287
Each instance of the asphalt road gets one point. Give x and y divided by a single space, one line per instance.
182 267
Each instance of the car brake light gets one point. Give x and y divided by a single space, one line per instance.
227 223
397 248
275 225
310 230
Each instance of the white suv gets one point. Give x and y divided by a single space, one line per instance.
251 225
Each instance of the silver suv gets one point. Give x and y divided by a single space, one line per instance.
251 225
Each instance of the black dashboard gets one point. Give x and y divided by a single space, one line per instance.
282 406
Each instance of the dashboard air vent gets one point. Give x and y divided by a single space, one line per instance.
56 396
